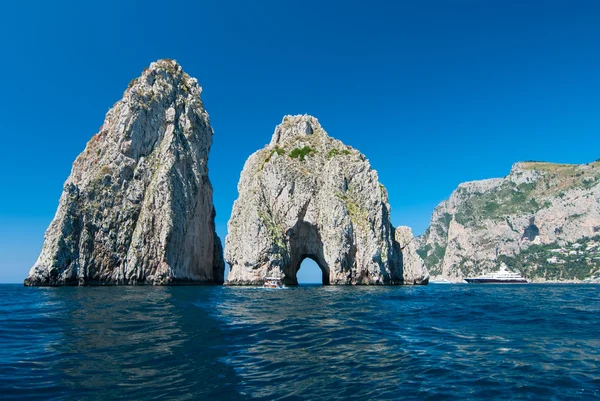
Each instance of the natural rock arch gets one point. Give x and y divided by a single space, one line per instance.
305 242
308 195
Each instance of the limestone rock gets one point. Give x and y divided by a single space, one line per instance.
412 264
542 220
308 195
137 207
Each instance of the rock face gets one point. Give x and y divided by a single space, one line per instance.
412 264
542 220
307 195
137 207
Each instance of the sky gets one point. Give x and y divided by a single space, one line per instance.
434 93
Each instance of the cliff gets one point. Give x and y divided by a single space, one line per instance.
542 220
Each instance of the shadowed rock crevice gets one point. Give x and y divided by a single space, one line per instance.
531 231
309 195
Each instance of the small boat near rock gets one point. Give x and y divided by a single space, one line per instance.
273 282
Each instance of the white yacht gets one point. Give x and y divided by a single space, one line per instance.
500 277
440 280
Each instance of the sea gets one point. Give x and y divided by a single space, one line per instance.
436 342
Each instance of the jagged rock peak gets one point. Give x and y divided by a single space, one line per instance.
137 207
296 126
307 195
170 77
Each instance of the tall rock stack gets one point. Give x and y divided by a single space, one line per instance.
137 207
307 195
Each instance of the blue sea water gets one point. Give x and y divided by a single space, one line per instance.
530 342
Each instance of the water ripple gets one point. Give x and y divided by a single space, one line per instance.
326 343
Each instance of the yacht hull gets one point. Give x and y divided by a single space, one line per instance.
495 281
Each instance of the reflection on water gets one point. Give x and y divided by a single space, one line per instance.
115 343
118 343
310 342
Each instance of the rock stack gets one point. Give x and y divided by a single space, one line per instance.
137 207
307 195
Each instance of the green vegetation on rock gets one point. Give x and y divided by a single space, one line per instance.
358 215
574 261
436 256
277 150
301 153
335 152
497 203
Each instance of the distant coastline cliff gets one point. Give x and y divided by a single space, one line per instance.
542 220
137 207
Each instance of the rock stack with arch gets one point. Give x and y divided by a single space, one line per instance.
307 195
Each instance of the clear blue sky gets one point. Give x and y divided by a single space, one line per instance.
434 93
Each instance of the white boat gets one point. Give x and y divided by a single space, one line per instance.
440 281
500 277
273 282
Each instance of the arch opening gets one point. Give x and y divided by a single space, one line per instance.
309 272
304 243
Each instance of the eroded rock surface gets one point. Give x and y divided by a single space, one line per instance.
542 220
307 195
412 264
137 207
